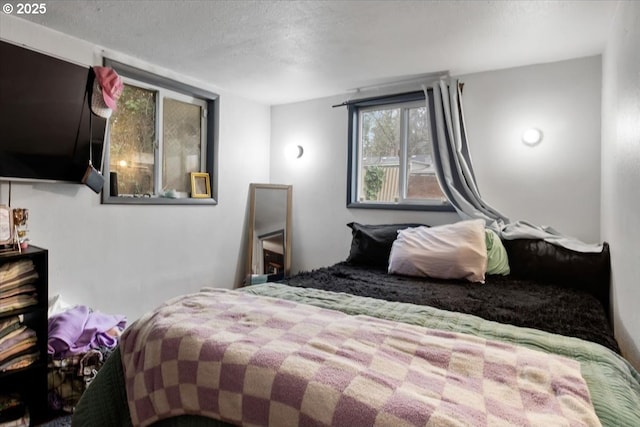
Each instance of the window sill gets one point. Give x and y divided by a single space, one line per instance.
403 207
130 200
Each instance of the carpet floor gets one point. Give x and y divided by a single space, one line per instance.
64 421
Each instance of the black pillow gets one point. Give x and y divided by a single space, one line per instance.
371 244
543 261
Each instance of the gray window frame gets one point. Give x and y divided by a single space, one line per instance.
211 153
354 108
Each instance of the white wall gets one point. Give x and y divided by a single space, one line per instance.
319 178
621 172
555 183
127 259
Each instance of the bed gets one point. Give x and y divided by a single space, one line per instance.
553 303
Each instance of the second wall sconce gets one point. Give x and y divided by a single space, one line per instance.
532 137
293 151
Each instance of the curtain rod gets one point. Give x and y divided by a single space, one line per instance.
416 79
391 95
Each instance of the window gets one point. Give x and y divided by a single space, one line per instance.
161 132
391 155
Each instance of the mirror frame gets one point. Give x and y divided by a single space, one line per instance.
251 227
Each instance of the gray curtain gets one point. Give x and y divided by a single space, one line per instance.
451 155
455 172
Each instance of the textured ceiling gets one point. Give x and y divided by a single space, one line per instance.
285 51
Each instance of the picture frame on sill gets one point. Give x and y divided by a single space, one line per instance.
200 185
6 226
8 232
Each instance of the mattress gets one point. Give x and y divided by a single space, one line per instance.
613 383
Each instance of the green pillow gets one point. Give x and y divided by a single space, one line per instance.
497 259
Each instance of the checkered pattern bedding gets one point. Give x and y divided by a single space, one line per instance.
255 360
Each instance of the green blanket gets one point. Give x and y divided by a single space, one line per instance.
613 383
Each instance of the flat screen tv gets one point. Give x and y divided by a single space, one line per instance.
44 118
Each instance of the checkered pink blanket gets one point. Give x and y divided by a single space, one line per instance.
252 360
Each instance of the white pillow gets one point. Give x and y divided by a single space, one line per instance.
451 251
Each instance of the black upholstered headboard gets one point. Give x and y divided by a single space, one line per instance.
544 261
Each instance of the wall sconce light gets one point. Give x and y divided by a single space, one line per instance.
293 151
532 137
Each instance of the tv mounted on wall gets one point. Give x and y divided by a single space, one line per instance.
44 118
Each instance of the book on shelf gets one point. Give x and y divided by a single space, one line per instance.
18 344
13 411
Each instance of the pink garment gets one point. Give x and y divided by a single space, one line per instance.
110 85
80 329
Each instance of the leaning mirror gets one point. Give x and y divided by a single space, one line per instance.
269 229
